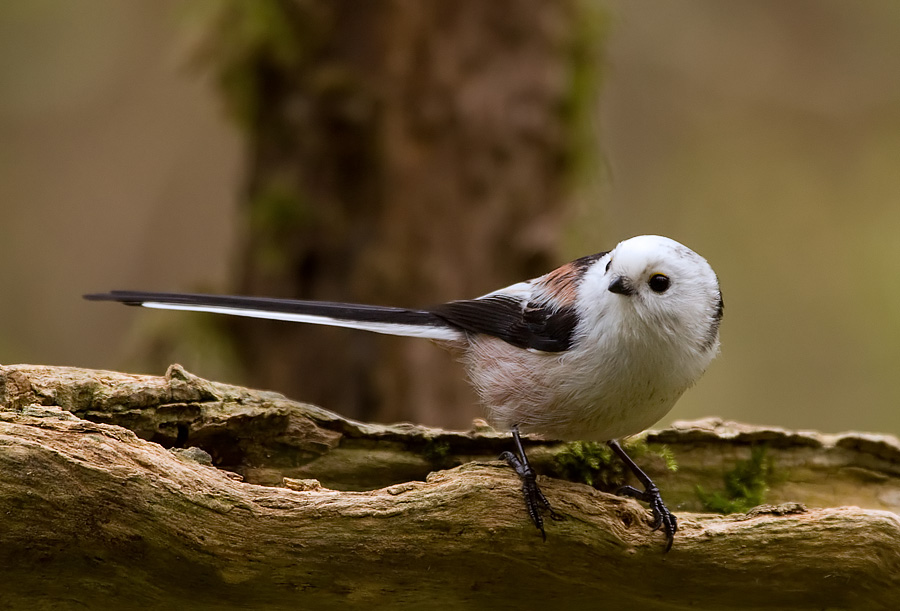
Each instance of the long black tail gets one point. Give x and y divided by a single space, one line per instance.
380 319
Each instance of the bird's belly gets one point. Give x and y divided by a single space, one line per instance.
597 417
552 396
614 419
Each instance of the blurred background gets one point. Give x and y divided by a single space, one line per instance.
411 152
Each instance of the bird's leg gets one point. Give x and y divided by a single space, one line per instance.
535 501
650 495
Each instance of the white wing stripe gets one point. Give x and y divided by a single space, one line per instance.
425 331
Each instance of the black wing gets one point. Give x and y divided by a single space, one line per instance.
530 325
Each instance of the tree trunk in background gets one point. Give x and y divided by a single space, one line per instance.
402 153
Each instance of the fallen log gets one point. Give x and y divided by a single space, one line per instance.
100 512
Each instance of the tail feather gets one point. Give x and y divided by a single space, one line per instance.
379 319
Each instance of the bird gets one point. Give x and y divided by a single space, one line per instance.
598 349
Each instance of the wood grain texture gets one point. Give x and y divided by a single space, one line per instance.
96 517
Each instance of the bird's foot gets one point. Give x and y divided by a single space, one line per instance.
535 501
662 517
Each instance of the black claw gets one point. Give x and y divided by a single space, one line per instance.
662 517
535 501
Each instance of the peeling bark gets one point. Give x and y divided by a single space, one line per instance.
95 515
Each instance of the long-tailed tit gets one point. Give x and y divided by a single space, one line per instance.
598 349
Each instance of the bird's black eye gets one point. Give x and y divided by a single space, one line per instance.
608 264
659 283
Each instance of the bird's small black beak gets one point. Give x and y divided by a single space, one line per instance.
621 286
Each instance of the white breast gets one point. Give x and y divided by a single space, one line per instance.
615 390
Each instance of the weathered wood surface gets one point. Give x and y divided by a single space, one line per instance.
94 516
